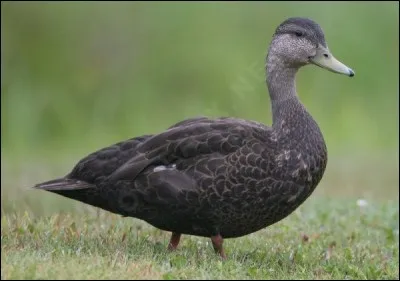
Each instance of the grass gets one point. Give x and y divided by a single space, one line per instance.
323 239
331 236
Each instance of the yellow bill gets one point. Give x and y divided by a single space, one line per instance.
326 60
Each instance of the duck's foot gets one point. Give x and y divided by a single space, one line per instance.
173 243
217 242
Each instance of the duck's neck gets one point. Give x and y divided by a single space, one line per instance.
281 81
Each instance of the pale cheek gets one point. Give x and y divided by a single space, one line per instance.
312 52
294 51
305 51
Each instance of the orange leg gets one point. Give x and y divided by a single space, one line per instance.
217 242
173 243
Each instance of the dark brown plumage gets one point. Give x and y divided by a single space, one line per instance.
218 178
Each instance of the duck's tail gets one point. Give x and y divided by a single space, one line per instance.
64 184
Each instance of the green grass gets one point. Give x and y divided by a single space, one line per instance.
345 241
46 236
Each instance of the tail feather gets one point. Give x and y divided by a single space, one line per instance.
64 184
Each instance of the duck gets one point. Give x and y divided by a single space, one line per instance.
223 177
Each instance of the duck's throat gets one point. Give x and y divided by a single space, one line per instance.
281 82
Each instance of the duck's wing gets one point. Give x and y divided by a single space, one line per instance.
97 166
186 142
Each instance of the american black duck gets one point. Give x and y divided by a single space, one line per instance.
218 178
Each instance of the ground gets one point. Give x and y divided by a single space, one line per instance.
347 229
324 239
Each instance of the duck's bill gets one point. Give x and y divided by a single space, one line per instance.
326 60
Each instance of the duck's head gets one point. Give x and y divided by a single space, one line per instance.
301 41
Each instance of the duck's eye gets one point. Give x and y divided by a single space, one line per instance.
298 33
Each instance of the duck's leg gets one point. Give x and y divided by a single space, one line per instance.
217 242
173 243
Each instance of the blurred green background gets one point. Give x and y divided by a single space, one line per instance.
80 76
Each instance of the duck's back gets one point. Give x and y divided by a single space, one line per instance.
97 166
